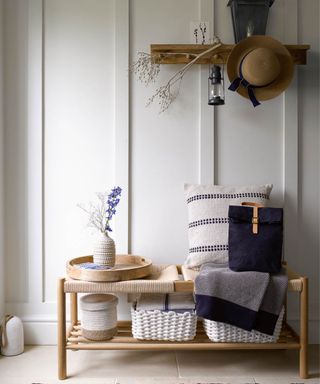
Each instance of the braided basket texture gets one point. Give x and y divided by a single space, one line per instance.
99 316
226 333
159 325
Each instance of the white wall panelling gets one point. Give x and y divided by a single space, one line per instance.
32 165
69 98
206 115
76 123
2 272
35 202
290 151
308 156
16 150
122 121
79 124
181 148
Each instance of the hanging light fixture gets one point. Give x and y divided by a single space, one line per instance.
249 17
215 85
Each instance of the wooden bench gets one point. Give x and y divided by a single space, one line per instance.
166 279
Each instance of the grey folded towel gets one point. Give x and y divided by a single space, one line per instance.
248 300
177 302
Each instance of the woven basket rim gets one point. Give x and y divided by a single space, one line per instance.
98 301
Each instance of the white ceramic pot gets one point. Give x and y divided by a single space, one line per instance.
12 337
104 252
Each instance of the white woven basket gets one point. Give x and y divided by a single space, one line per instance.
159 325
99 316
222 332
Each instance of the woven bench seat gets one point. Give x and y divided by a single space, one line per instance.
294 280
164 279
161 280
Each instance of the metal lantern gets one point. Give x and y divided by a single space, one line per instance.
215 85
249 17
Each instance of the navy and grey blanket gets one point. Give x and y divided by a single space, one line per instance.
248 300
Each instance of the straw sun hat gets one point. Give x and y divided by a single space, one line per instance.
259 68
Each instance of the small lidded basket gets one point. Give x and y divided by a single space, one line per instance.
99 316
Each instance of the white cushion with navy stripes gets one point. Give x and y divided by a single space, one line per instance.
208 218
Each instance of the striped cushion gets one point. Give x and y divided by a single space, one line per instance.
208 218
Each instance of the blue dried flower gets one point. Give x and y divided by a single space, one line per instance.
112 202
101 213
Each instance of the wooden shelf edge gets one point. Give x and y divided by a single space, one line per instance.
180 346
184 53
124 340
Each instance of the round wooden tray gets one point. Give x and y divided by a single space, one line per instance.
128 267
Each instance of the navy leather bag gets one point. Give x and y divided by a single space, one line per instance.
255 238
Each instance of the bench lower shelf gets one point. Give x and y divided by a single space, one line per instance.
125 341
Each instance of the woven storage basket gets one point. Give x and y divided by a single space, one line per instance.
160 325
99 316
226 333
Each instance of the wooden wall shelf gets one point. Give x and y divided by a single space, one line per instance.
184 53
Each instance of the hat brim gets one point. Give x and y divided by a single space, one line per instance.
285 59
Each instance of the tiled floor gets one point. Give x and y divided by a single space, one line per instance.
38 365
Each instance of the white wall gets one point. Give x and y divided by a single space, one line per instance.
164 148
16 150
73 135
2 273
79 124
309 155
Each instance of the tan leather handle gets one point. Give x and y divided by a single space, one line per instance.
258 205
255 216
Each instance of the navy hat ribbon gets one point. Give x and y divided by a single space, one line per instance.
250 88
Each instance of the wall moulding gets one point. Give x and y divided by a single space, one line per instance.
184 53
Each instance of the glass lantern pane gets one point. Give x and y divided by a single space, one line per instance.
249 17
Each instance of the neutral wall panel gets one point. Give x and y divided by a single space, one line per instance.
164 148
16 151
2 271
276 26
79 124
309 173
223 22
249 144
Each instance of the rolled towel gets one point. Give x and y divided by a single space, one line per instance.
177 302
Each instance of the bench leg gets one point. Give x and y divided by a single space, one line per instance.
304 374
74 308
74 311
62 355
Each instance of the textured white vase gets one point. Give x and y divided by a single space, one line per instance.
104 252
12 336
